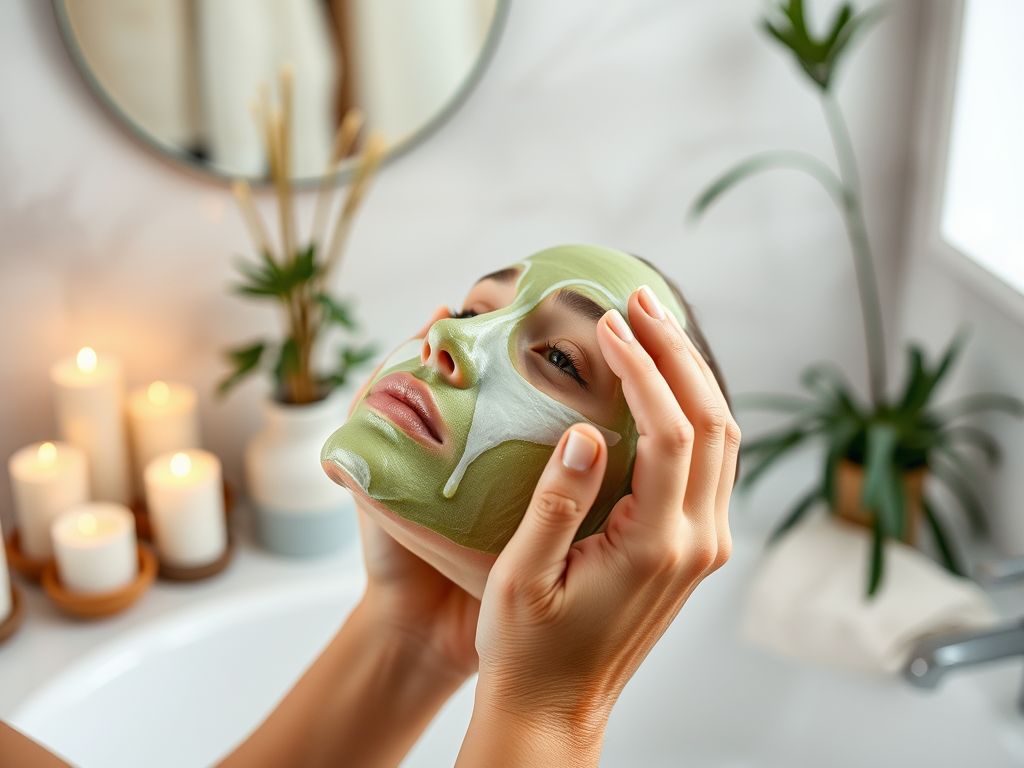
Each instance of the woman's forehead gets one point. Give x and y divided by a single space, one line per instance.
602 275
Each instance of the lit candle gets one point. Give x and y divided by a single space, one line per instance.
95 548
5 584
89 393
163 419
47 479
185 497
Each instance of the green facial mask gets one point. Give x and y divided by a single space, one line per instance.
501 429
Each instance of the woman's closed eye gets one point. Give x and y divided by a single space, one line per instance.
565 361
464 314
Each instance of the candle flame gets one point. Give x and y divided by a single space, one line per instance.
47 454
87 524
86 360
159 393
181 465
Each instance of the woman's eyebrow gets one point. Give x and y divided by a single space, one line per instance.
581 304
506 275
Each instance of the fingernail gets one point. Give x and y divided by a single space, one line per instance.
650 303
618 325
580 452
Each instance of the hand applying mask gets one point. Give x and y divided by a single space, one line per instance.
564 625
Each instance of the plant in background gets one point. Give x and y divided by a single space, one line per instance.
887 438
295 275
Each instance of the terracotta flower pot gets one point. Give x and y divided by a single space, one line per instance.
849 489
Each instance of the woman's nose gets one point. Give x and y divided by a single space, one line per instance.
448 351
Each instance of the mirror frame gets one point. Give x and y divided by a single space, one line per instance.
190 164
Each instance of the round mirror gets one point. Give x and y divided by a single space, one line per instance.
183 75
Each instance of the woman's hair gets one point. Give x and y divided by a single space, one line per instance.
694 331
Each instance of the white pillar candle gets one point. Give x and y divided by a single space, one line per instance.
185 497
95 548
163 419
89 394
5 584
46 479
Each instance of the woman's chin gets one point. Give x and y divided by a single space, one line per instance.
467 568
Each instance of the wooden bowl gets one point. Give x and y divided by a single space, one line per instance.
144 528
13 621
22 563
86 606
178 573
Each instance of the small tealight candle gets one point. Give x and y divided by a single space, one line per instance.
163 419
5 584
185 497
95 548
47 479
89 394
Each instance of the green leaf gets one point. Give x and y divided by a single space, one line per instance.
336 312
817 57
878 466
795 514
268 279
975 437
243 360
955 481
941 539
800 161
287 362
771 453
772 402
877 569
979 403
349 358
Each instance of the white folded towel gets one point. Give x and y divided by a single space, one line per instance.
807 599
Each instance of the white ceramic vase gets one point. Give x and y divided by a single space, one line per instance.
299 510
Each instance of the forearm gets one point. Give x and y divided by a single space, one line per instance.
512 738
362 704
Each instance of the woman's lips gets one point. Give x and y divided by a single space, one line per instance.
409 404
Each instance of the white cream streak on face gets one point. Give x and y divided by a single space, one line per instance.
508 407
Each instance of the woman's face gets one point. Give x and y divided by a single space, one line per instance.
455 428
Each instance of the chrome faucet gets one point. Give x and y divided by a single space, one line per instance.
933 657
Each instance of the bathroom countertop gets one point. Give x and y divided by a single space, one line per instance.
48 640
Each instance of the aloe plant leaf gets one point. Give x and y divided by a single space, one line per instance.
962 491
769 456
800 161
877 563
942 539
881 445
978 403
773 402
795 514
975 437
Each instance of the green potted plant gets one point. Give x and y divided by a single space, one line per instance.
876 453
299 511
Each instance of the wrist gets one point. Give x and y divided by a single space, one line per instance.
537 731
408 642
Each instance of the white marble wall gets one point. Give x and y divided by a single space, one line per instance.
599 121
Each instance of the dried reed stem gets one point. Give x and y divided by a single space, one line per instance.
251 215
369 161
349 129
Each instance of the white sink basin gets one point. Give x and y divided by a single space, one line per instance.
182 690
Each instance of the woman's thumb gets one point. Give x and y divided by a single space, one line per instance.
564 494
